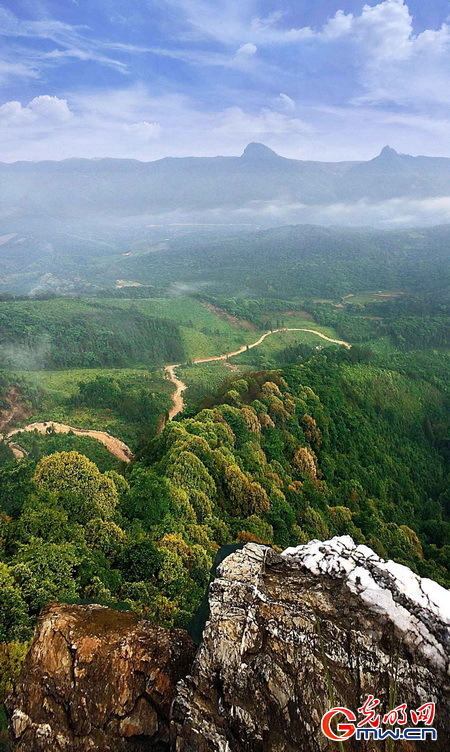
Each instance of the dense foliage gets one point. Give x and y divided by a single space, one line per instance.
303 260
66 333
412 322
334 445
38 445
136 400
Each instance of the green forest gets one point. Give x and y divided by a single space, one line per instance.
82 333
299 260
332 444
291 440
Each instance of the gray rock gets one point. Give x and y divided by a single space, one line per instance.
291 636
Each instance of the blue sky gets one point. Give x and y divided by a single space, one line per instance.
147 79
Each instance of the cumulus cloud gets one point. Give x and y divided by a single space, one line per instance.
395 64
45 109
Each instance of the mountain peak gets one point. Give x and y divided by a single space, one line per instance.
388 153
254 150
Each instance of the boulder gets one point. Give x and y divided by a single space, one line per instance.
97 679
291 636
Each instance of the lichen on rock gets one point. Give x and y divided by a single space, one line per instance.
97 679
282 625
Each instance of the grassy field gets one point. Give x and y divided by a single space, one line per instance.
57 387
203 379
183 310
204 333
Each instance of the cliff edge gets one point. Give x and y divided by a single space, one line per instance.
97 679
289 637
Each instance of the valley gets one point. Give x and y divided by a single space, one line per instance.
224 376
148 426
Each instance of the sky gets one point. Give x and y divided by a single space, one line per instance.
146 79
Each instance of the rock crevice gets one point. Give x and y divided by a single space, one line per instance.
289 637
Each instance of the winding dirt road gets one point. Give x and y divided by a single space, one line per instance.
115 446
180 386
118 448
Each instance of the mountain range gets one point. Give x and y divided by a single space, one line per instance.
83 187
77 221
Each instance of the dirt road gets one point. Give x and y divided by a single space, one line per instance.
115 446
180 386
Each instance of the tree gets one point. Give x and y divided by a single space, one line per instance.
105 536
312 432
46 571
148 497
189 472
244 496
15 486
83 490
43 518
304 461
12 656
68 471
15 622
140 561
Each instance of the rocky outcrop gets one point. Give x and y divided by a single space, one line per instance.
97 679
291 636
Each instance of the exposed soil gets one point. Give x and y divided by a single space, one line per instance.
177 396
233 320
15 412
124 283
115 446
18 451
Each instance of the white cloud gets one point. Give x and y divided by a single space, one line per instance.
391 61
395 64
70 43
337 26
391 214
235 121
43 109
287 101
16 70
144 130
247 49
50 108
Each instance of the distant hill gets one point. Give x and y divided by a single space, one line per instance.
66 226
125 186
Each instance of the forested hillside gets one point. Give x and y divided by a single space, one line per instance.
291 261
75 333
330 446
301 261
